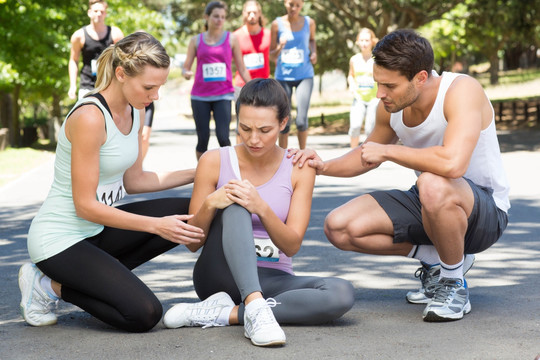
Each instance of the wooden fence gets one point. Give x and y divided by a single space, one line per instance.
517 113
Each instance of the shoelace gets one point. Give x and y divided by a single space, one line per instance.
443 289
206 314
426 277
421 274
272 302
47 304
265 316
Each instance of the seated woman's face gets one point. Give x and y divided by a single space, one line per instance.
259 127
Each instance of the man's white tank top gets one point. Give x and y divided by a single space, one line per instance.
485 168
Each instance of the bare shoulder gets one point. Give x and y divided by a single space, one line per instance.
78 37
210 160
116 34
304 174
233 38
87 114
463 82
465 90
87 119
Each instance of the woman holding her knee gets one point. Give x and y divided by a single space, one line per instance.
254 206
82 248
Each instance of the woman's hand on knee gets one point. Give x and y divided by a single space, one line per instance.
176 229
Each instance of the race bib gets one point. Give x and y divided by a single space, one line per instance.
266 250
254 61
214 72
365 82
111 193
292 57
93 66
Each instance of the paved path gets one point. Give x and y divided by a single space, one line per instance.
504 283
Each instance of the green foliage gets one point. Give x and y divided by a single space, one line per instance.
35 41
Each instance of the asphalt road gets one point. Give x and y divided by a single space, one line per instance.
504 282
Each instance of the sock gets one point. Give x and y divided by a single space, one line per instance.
223 317
413 251
452 271
46 284
255 304
425 253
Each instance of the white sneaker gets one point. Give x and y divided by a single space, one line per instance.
260 325
204 313
36 305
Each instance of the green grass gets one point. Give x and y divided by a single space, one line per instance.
330 118
509 77
15 162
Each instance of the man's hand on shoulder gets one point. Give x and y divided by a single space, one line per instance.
309 156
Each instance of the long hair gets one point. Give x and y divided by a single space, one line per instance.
265 93
132 53
404 51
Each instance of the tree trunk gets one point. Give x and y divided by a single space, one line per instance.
15 129
55 121
6 109
494 69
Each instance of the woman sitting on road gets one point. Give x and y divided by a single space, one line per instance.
254 206
85 247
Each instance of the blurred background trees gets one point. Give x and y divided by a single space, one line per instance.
34 39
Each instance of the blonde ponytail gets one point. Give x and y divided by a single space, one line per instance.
132 53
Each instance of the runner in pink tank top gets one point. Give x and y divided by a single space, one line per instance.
212 90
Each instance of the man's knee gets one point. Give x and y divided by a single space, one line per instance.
335 229
434 190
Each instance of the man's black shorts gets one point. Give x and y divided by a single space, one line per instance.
485 224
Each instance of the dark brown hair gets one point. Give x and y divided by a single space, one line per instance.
404 51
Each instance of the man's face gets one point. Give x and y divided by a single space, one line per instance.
394 89
252 14
97 12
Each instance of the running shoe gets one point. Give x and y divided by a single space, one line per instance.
36 306
450 301
260 325
429 276
204 313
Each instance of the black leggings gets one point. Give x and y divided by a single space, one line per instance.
202 111
96 273
228 263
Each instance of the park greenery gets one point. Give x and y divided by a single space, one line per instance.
35 34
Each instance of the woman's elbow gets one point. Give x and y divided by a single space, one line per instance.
83 209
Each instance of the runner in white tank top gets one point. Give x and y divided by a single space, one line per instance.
459 203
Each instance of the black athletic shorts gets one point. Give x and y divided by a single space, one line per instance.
485 225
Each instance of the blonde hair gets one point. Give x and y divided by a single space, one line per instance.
92 2
132 53
374 39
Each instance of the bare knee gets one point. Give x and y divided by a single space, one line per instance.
335 229
434 191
